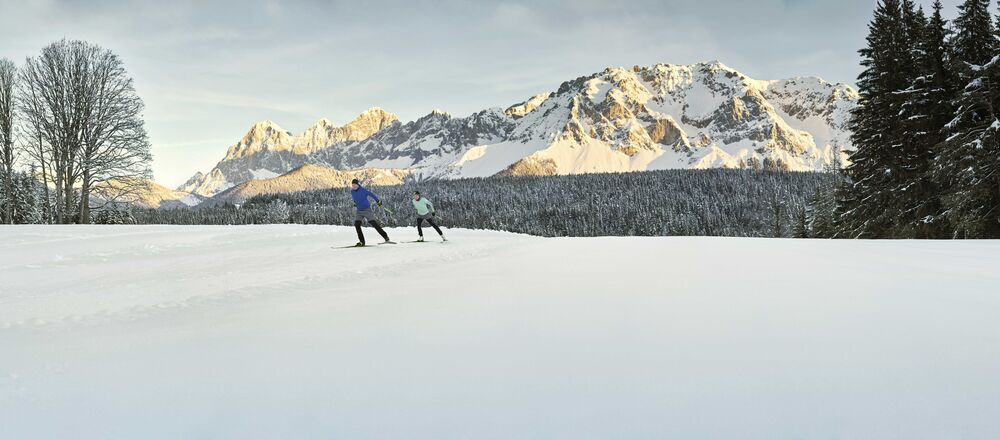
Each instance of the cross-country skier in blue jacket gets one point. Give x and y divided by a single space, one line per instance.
361 195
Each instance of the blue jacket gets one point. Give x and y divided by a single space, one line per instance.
361 196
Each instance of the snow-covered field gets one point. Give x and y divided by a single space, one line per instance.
265 332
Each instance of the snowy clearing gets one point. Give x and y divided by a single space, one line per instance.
266 332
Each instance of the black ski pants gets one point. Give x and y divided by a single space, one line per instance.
366 214
420 224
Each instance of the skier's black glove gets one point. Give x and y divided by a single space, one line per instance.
434 214
378 202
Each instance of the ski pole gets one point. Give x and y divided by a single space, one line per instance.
389 215
438 217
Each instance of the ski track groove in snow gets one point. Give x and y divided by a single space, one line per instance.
302 242
264 332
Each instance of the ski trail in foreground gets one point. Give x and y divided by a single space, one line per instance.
264 332
80 274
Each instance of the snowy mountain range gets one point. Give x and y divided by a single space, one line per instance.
660 117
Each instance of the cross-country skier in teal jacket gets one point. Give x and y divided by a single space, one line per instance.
425 211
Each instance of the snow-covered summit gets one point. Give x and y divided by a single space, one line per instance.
620 119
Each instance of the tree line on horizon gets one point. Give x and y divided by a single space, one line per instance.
72 136
712 202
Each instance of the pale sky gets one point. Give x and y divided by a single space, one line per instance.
209 70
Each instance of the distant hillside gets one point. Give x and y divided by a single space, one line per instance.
306 178
153 195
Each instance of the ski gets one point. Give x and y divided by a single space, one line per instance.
365 246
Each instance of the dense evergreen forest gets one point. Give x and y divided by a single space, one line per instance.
926 131
675 202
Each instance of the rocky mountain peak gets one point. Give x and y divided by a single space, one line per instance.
263 129
375 117
521 109
262 136
366 124
321 124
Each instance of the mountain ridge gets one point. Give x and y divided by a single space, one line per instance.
620 119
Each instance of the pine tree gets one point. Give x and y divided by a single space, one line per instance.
866 204
965 164
23 200
925 111
975 43
914 28
275 212
800 225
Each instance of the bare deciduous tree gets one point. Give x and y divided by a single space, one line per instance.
82 110
39 152
47 104
8 77
115 147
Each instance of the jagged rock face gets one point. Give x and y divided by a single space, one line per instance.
324 134
407 145
518 111
263 136
193 182
663 116
804 98
267 150
668 132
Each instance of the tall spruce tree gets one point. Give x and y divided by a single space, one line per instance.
914 27
966 163
975 42
822 206
865 208
925 111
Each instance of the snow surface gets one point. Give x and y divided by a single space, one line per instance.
264 173
266 332
190 200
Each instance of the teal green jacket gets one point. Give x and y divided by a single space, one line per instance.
423 206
